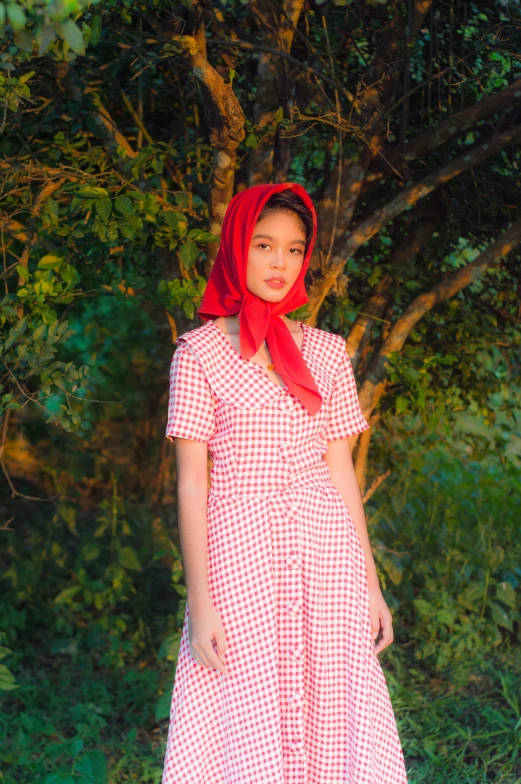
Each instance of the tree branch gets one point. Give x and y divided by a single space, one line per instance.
225 120
374 385
377 303
345 249
454 125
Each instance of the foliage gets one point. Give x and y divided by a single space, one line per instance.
447 548
93 609
108 173
51 24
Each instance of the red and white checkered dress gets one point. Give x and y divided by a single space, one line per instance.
306 700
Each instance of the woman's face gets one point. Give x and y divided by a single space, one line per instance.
276 249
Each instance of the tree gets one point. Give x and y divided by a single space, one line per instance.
401 121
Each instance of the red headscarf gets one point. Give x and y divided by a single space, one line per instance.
226 293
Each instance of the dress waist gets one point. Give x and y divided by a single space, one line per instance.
289 489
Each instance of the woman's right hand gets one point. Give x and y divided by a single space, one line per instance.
204 627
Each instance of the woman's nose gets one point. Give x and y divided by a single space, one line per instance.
279 261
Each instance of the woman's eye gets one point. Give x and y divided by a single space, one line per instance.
266 245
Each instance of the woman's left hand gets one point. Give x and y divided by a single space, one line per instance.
381 618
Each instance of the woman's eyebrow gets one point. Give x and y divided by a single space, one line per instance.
267 237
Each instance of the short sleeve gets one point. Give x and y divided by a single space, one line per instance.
346 418
191 404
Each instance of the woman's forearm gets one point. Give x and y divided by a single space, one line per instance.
193 536
350 492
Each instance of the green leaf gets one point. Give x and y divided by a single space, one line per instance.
505 593
471 596
188 253
128 559
127 230
91 192
73 35
136 195
84 768
393 566
176 220
158 165
401 404
52 207
181 199
15 332
198 235
135 222
39 332
76 746
169 648
90 552
23 39
420 398
103 208
45 38
423 607
163 705
70 275
16 16
58 381
67 594
445 617
7 681
94 760
59 778
124 206
500 617
50 261
95 30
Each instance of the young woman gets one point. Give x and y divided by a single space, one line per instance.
277 679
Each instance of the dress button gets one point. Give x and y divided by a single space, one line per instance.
293 561
295 608
297 653
297 699
297 747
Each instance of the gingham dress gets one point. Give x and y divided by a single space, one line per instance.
305 701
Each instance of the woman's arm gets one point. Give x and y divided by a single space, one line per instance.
338 457
191 424
205 626
192 521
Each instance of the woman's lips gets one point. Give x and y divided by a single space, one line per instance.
275 284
